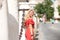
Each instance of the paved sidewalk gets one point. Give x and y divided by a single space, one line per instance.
48 31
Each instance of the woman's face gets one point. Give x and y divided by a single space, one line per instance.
31 13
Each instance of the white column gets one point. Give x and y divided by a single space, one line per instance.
13 11
3 21
13 8
56 14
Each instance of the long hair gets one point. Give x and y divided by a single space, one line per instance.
27 15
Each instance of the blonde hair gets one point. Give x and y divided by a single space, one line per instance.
27 15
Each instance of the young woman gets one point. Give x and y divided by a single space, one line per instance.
29 25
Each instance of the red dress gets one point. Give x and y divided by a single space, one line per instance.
28 32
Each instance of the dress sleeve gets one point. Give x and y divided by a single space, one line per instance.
30 21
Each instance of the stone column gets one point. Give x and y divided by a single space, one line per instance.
13 19
3 21
56 14
13 8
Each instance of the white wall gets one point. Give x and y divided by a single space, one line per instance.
13 26
3 21
13 8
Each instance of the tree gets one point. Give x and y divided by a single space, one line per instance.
45 7
59 9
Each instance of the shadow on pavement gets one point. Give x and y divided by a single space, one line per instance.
12 28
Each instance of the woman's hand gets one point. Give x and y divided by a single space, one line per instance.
31 33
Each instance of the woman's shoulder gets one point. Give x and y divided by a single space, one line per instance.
29 21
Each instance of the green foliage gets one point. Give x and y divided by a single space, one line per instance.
45 7
48 2
39 8
49 12
59 9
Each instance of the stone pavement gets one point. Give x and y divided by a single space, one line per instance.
48 31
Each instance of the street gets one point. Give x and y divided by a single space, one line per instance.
48 31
